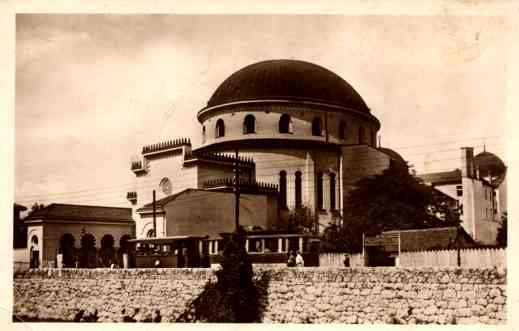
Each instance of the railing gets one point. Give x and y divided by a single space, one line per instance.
132 196
166 145
136 165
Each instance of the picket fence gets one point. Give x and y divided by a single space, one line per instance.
337 260
469 258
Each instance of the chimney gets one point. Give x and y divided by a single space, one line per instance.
467 162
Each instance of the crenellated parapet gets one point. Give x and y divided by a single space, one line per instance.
245 185
166 145
243 162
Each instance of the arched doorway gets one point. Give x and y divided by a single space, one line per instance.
88 252
107 250
34 253
66 247
125 248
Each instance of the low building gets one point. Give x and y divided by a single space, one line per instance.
62 228
384 249
199 212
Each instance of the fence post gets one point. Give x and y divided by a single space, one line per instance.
125 260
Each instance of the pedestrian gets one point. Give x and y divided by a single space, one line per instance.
299 260
346 260
291 259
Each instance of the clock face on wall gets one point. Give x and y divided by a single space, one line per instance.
165 186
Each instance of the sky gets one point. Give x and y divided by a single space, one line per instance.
91 90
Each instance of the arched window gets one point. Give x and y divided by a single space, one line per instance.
150 233
319 184
283 189
220 128
362 137
342 130
298 190
284 123
332 191
317 129
249 124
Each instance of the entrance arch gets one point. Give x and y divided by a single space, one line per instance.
88 252
107 251
34 253
67 248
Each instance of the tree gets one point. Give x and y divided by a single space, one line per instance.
502 232
302 220
233 298
391 200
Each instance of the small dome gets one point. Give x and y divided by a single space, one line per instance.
489 165
392 154
290 80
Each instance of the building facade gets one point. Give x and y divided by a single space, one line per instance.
294 125
63 228
479 186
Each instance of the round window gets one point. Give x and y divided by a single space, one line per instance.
165 185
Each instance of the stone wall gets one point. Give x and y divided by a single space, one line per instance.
309 295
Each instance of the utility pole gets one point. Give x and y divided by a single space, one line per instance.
237 191
154 216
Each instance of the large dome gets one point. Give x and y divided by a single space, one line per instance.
489 165
291 80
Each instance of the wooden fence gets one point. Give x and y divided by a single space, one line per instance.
337 260
469 258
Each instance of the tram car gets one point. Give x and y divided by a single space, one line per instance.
203 252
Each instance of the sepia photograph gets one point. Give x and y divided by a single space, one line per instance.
247 168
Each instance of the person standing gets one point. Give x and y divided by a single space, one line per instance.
291 259
346 260
299 260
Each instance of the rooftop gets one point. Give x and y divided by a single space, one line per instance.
60 211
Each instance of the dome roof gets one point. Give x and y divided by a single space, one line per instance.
392 154
287 80
489 164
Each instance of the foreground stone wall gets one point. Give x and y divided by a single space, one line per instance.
387 295
307 295
49 294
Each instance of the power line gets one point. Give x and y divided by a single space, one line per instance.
139 184
150 183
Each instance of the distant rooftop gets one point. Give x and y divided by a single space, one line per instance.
439 178
59 211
